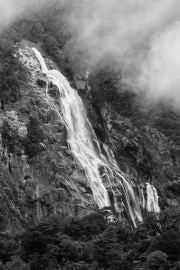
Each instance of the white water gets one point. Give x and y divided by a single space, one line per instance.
152 204
141 197
78 130
86 150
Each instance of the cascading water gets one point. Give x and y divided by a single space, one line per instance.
102 173
152 199
141 197
78 131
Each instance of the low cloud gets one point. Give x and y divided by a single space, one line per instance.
160 71
143 36
12 10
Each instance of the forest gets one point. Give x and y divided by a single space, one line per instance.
94 242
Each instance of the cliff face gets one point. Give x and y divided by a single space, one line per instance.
146 155
39 176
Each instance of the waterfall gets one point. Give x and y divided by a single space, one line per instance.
152 204
103 173
141 197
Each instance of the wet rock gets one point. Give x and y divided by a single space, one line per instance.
51 181
41 82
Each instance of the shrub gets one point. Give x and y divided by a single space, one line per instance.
12 74
104 84
87 226
168 242
157 260
10 138
32 143
15 264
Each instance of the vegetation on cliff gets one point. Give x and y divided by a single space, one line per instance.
12 74
93 243
33 141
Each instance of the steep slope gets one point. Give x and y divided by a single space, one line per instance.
146 155
39 175
39 167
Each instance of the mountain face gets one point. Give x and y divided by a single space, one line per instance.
40 177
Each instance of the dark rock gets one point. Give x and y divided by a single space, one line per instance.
49 181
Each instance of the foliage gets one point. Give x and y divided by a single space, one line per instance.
47 28
33 142
87 227
104 82
16 263
157 260
170 219
54 245
12 74
168 242
10 138
8 248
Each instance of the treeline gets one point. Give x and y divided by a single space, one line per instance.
45 28
93 243
12 73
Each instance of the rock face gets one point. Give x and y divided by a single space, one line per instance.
38 174
34 186
146 155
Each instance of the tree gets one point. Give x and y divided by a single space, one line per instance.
87 226
157 260
16 263
168 242
105 83
34 139
12 74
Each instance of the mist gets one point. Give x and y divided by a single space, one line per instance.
143 36
160 71
12 10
